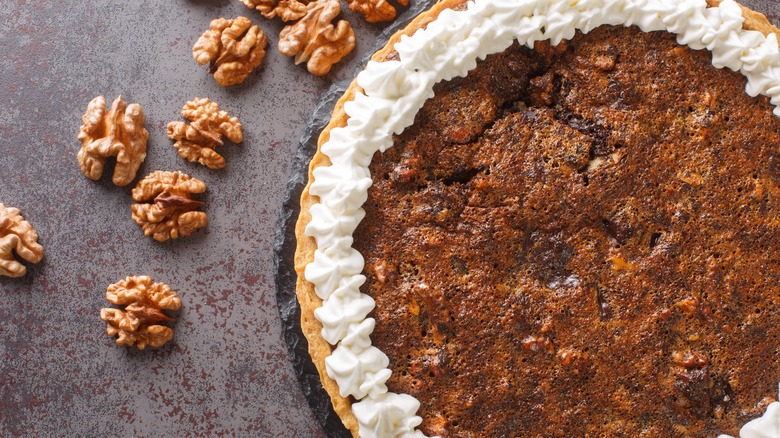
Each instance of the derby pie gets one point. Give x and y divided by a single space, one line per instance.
551 218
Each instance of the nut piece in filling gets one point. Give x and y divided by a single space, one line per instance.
166 208
196 141
116 132
234 48
581 240
287 10
315 40
16 234
139 322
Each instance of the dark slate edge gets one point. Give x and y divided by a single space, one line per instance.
286 278
285 242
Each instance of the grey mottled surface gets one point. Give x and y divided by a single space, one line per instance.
227 372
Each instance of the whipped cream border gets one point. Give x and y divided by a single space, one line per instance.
393 93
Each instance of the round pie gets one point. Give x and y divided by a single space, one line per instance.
551 218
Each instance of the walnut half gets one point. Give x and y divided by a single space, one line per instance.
117 132
196 141
166 208
315 40
287 10
139 323
16 234
375 10
233 47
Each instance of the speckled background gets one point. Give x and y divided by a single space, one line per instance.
228 371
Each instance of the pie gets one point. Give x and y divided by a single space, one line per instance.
576 238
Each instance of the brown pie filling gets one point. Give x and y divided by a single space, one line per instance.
581 240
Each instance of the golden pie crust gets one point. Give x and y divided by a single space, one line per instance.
319 349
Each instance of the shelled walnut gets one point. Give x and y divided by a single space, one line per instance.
233 47
118 132
287 10
139 323
375 10
315 40
16 234
196 141
166 208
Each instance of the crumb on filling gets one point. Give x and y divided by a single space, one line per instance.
581 240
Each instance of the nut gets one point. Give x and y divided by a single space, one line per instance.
576 360
537 344
233 47
117 133
374 10
196 141
382 271
139 323
169 209
16 234
689 360
287 10
314 39
692 306
689 306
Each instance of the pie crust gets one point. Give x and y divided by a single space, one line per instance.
319 348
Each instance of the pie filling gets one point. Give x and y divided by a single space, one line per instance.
579 240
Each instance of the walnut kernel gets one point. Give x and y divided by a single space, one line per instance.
315 40
287 10
139 323
374 11
118 132
166 208
196 141
233 47
16 234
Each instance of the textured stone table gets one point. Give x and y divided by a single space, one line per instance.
227 372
